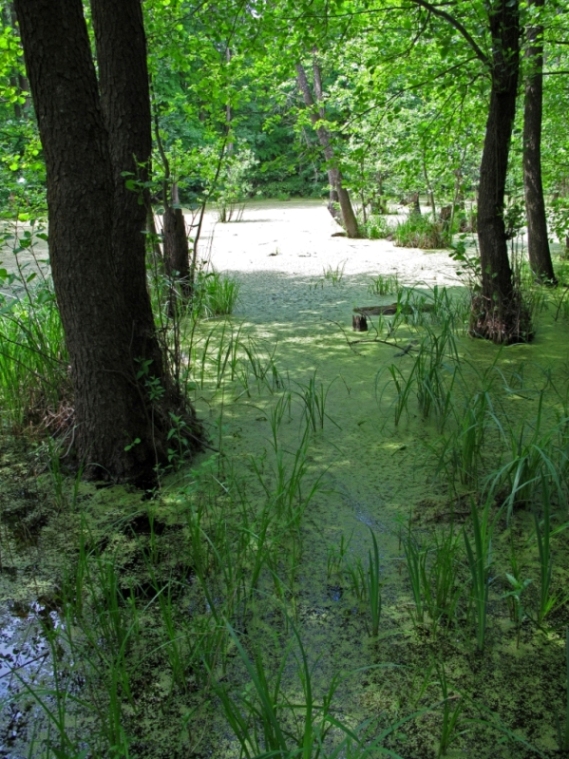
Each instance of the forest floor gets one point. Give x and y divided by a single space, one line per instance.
318 446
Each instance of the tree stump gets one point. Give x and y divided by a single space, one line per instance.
359 323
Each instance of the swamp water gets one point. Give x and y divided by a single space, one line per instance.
238 610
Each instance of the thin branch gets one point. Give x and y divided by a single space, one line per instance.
437 11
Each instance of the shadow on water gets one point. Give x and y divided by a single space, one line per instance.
25 663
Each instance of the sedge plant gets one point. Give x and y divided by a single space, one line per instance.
479 559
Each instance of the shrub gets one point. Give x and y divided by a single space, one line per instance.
419 232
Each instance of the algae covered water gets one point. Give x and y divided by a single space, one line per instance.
371 556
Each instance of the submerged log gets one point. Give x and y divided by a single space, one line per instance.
393 308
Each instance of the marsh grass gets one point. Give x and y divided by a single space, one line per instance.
517 588
537 461
433 567
173 623
452 707
267 721
33 358
431 377
548 601
314 396
365 584
258 361
387 284
464 451
479 558
215 294
334 274
285 487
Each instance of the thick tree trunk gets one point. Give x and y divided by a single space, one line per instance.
116 433
538 242
125 100
334 174
498 313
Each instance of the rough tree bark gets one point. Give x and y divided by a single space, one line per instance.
122 393
498 313
538 242
334 174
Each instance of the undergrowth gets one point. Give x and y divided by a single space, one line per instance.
181 624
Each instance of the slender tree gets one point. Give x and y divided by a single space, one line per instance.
317 117
124 399
538 241
498 312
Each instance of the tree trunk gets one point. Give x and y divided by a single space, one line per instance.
498 313
538 242
117 434
125 101
176 251
334 174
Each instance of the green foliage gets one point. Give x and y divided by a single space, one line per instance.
559 222
34 381
374 227
234 184
215 294
419 232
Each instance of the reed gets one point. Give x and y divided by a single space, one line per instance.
479 557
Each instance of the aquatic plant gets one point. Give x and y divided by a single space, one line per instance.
267 722
452 708
384 284
514 596
416 560
417 231
215 294
282 407
403 387
547 602
334 274
374 585
535 462
479 556
314 396
259 361
366 584
433 567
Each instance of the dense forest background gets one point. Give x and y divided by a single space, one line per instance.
404 98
